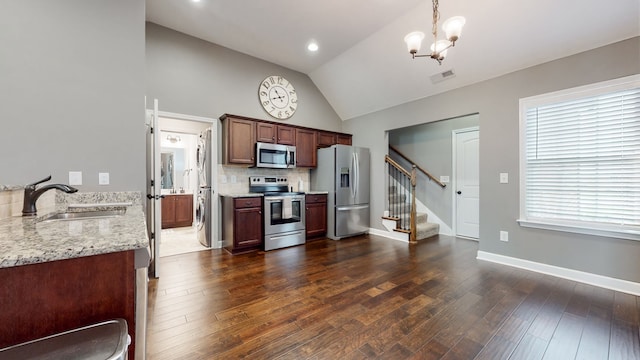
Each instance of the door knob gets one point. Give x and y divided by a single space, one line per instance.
459 192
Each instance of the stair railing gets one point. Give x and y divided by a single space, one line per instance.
431 177
404 186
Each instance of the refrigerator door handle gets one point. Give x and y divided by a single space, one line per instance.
357 179
353 170
343 208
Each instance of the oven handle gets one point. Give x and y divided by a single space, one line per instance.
280 198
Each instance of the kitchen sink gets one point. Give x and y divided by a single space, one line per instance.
84 215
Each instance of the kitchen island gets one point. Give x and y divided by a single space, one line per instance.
61 275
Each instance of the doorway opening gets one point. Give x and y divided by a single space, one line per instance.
181 181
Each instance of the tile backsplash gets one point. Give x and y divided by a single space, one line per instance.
227 175
11 202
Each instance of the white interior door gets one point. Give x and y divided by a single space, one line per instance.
467 182
154 208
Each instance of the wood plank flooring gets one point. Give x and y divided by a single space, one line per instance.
373 298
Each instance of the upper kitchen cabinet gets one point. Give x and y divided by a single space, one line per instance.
343 139
240 135
272 133
326 139
239 138
306 148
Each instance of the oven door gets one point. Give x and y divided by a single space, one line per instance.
283 213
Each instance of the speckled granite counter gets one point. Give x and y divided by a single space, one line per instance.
317 192
28 241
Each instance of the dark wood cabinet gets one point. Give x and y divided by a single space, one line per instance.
177 210
306 148
239 140
47 298
242 224
275 134
316 215
241 133
326 139
343 139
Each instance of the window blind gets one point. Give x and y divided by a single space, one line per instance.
583 159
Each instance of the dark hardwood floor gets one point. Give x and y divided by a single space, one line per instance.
371 297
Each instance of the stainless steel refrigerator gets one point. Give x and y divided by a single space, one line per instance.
204 221
343 171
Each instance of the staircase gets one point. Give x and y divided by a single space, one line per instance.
401 206
398 200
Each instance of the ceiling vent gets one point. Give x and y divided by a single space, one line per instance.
440 77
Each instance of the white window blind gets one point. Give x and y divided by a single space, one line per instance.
582 159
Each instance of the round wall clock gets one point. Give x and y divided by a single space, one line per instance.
278 97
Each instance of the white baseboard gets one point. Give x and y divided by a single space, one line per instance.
395 235
606 282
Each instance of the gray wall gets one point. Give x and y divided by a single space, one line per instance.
194 77
72 92
430 146
496 101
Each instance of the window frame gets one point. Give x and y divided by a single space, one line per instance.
629 232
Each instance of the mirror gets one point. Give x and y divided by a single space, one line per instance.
167 172
173 163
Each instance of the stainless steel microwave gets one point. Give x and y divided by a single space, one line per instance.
275 156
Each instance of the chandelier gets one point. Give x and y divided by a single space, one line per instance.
452 28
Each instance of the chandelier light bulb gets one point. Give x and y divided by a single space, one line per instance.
414 41
453 27
439 49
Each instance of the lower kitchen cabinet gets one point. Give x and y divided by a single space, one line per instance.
177 210
316 215
48 298
242 224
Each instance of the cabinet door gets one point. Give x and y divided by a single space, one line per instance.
343 139
247 223
286 135
316 219
306 148
326 139
265 132
184 210
241 138
168 204
316 215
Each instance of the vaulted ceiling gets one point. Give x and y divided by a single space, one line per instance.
363 65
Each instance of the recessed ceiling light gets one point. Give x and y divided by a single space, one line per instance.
195 0
313 46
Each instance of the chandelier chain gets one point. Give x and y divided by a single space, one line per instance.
436 17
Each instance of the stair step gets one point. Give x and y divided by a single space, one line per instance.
427 230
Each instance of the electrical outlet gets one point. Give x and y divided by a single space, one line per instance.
233 179
504 178
75 177
504 236
103 178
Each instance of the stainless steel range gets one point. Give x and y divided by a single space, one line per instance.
284 211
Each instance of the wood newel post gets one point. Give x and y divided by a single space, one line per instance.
412 219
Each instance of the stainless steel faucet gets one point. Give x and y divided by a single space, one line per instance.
31 194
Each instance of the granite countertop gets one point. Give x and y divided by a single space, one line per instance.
29 241
317 192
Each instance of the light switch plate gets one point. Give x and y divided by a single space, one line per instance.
444 179
103 178
504 236
75 177
504 178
